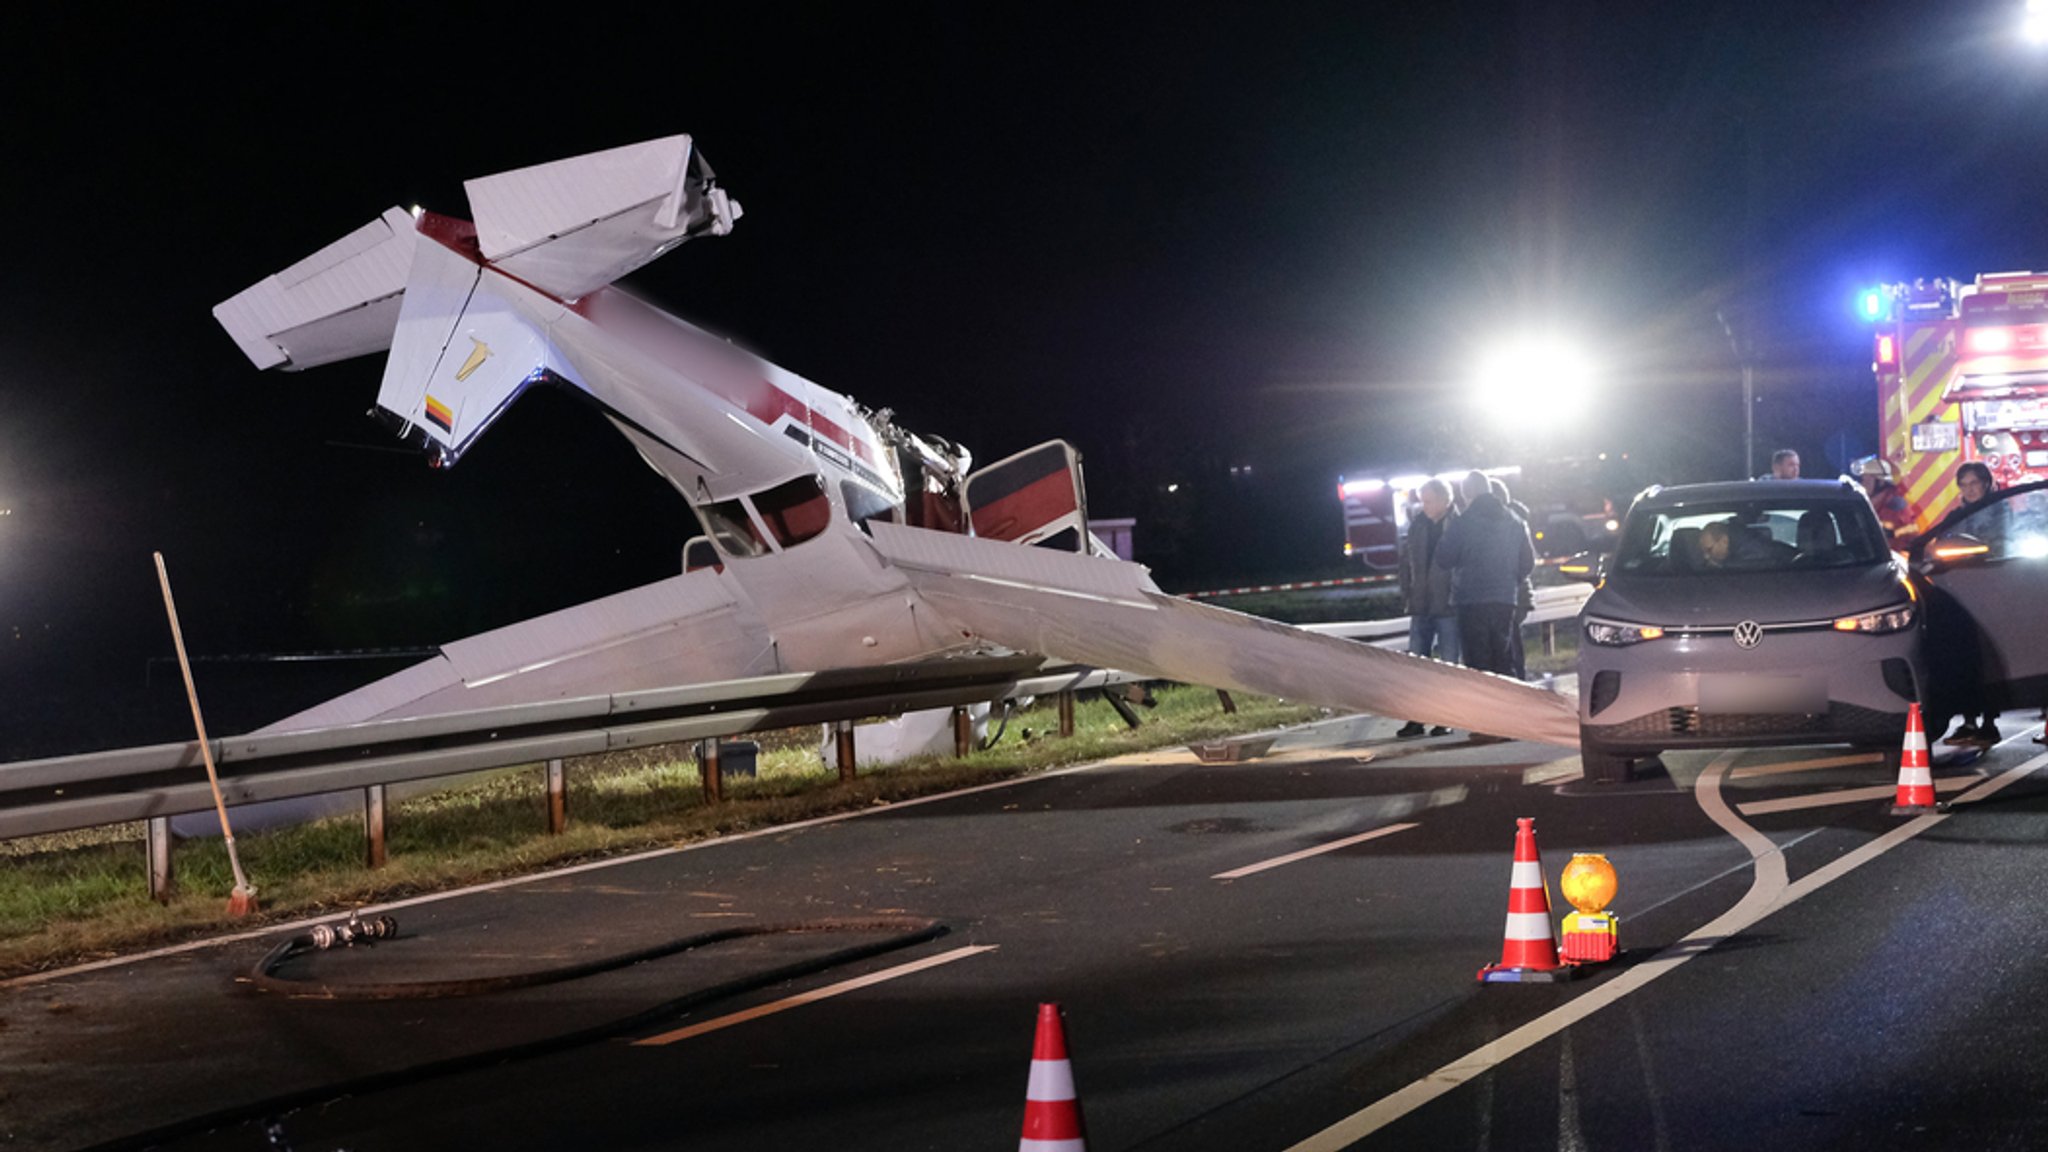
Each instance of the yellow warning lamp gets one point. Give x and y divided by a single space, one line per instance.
1588 882
1591 935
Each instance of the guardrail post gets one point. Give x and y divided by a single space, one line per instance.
1066 700
1550 637
1229 705
963 732
707 767
1123 707
373 824
558 798
846 758
161 886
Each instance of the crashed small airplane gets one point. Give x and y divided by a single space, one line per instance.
831 537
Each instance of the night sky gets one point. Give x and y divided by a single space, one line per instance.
1188 237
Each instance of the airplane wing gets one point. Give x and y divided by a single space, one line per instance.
682 630
1108 613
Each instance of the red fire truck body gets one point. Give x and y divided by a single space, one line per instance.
1962 374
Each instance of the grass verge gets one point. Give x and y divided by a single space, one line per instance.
83 896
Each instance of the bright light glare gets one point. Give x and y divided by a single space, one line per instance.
2034 24
1534 381
2033 547
1990 339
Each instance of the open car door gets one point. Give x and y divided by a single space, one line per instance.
1034 497
1986 569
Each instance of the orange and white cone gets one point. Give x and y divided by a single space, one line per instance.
1052 1112
1530 949
1916 781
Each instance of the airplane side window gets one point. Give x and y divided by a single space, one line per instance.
863 505
727 522
795 510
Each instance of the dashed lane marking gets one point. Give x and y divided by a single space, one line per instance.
1318 850
1815 765
1847 796
813 996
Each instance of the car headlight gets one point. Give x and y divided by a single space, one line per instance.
1613 635
1891 619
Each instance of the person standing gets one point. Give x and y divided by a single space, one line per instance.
1426 587
1525 592
1784 465
1975 484
1893 510
1488 553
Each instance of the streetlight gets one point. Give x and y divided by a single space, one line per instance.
1535 381
2034 22
1748 397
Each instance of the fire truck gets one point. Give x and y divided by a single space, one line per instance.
1962 374
1570 507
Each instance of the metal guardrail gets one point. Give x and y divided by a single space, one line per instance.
150 783
1552 605
73 792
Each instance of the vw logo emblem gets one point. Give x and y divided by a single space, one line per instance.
1749 634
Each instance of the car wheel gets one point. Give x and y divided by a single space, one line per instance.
1602 766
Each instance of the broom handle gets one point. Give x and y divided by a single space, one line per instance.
163 577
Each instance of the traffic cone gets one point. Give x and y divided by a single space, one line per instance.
1530 951
1916 782
1052 1113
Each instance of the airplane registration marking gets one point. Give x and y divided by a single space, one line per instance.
1318 850
814 995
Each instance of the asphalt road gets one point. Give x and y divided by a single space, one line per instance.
1798 973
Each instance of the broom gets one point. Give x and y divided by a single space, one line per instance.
242 901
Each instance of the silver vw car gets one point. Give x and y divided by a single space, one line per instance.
1747 613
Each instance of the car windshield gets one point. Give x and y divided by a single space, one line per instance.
1750 536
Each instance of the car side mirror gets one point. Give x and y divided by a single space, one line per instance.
1586 568
1957 551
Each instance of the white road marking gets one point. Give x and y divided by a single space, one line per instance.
1768 893
1566 769
830 990
1847 796
1814 765
1318 850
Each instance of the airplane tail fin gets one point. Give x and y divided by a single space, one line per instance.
463 345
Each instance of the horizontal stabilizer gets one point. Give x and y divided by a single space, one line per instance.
572 226
341 301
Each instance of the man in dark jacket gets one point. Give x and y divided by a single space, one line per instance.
1426 586
1488 554
1525 593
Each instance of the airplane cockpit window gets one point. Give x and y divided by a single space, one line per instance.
795 510
727 523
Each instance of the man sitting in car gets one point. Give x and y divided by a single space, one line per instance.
1726 544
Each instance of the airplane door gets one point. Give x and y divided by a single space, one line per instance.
1034 497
